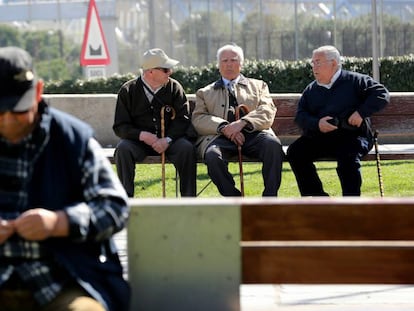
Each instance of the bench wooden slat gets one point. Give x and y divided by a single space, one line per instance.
286 107
328 220
157 159
388 128
328 241
403 154
399 128
286 129
401 104
327 265
391 156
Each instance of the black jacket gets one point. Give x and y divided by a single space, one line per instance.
134 113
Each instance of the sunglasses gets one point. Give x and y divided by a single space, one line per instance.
165 70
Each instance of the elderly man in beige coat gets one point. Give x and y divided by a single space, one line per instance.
237 111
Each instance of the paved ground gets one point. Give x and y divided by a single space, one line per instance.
315 297
327 297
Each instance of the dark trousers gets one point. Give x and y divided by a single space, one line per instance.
181 153
261 145
346 149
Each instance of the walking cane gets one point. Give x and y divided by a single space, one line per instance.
245 111
163 109
377 157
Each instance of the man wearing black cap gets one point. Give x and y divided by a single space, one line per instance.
60 203
141 104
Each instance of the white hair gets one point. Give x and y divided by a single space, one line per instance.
330 52
231 47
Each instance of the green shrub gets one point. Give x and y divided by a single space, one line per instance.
396 73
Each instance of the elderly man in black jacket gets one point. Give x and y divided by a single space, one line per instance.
141 104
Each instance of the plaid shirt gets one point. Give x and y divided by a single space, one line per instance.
103 212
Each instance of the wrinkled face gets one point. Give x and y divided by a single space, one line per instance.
229 65
14 126
159 76
323 69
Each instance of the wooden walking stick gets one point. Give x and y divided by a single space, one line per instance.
378 160
171 110
245 111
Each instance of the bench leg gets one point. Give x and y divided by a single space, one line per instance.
177 183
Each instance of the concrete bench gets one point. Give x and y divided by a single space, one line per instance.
193 254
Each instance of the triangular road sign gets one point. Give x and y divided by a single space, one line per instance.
94 49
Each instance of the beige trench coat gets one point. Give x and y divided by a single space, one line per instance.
212 105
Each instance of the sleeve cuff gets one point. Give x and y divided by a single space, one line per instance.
220 127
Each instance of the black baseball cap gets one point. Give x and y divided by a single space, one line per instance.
17 80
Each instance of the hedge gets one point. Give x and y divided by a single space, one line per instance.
396 73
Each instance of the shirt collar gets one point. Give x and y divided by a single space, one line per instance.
235 81
150 94
333 79
154 91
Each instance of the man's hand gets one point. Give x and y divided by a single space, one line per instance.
160 145
6 230
148 138
39 224
233 131
325 126
355 119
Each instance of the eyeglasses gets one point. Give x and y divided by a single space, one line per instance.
319 63
165 70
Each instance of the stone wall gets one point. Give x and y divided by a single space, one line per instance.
96 109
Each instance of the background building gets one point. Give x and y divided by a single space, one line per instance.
192 30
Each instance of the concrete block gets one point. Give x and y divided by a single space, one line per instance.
95 109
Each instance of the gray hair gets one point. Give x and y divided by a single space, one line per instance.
330 52
231 47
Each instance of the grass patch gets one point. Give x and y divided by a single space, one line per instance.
397 176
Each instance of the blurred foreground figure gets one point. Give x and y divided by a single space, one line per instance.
60 203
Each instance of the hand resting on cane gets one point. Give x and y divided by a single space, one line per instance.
158 144
233 131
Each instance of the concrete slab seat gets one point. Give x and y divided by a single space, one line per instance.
193 254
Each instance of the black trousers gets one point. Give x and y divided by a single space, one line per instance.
262 145
181 153
346 149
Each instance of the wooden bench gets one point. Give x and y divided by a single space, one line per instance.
395 124
192 254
